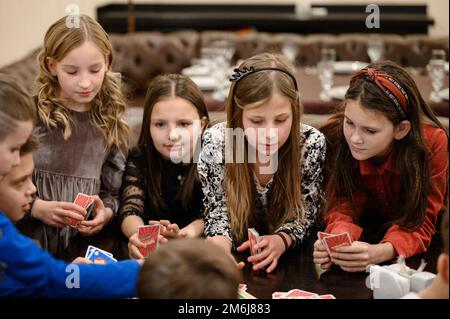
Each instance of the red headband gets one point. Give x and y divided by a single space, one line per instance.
388 85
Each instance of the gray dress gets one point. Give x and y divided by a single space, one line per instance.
81 164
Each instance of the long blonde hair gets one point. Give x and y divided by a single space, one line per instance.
108 106
286 202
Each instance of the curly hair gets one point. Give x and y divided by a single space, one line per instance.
107 107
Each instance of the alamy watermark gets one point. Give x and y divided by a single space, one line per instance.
262 147
73 16
73 277
373 19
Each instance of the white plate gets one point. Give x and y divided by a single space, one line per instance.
348 67
444 94
338 92
205 83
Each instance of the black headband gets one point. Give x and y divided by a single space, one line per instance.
240 74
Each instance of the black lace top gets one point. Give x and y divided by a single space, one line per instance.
135 196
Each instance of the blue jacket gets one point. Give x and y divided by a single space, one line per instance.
27 271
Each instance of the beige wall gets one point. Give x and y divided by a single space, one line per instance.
24 22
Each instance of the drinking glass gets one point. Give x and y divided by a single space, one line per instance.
290 50
375 47
326 72
436 71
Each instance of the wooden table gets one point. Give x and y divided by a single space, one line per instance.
295 269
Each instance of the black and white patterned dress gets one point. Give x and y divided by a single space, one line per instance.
211 167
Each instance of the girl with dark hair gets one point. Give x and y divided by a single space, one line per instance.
387 170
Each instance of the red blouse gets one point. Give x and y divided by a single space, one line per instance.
383 182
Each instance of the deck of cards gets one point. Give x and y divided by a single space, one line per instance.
299 294
99 256
332 241
149 235
253 238
84 201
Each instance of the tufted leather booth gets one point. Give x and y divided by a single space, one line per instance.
141 56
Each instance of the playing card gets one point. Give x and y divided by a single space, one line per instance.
322 235
243 287
98 256
334 241
245 295
278 295
299 294
91 249
253 237
149 234
326 297
84 201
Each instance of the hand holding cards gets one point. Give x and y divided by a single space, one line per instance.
84 201
99 256
332 241
148 235
253 238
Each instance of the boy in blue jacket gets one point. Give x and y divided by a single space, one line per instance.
26 270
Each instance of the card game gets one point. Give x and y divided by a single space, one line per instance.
331 242
84 201
253 238
99 256
300 294
149 234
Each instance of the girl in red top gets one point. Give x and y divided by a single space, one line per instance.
387 170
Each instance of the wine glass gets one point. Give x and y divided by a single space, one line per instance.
436 71
290 50
375 47
326 72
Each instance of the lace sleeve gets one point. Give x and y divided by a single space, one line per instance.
133 188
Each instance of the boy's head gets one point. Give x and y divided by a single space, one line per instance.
16 187
17 116
190 268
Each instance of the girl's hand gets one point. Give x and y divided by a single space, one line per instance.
272 247
321 256
102 216
359 255
168 231
57 214
133 247
81 260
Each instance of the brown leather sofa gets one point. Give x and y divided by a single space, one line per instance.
141 56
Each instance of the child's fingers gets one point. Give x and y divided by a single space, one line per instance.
263 243
272 265
321 261
245 245
67 207
318 245
134 253
163 222
173 227
136 242
326 265
91 223
264 261
240 264
263 254
71 214
320 254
